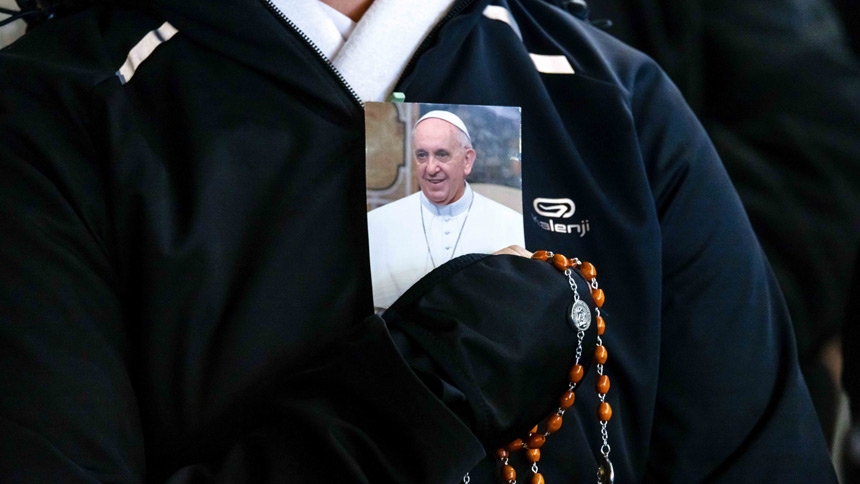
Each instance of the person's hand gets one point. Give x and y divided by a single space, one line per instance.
514 250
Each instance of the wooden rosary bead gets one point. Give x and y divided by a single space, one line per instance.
604 411
588 271
598 296
541 255
576 373
509 473
601 326
537 479
559 262
536 441
567 400
602 384
600 355
533 455
515 445
534 430
553 423
502 453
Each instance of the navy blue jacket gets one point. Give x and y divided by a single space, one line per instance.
185 286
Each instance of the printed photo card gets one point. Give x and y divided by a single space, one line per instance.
442 181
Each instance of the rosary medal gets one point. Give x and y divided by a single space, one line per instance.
580 315
605 472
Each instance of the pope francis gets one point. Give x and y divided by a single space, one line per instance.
446 218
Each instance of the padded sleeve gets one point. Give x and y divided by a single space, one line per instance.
68 411
731 403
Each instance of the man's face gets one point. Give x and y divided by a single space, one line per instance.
441 159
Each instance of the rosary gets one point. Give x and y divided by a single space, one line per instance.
580 316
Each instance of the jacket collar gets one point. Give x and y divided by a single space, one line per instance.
254 32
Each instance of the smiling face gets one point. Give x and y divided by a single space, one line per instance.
443 159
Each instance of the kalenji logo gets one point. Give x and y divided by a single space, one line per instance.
554 207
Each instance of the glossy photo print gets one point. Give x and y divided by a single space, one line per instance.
442 181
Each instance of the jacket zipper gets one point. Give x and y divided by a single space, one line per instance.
275 10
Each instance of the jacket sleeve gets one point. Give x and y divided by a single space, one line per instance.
68 411
731 405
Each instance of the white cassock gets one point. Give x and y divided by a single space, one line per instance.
412 236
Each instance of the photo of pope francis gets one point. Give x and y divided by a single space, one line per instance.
412 236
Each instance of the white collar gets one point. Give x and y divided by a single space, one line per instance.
384 41
344 24
377 50
453 209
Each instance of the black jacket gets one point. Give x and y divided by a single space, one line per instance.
185 280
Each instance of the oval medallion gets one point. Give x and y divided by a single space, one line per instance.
580 315
605 472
